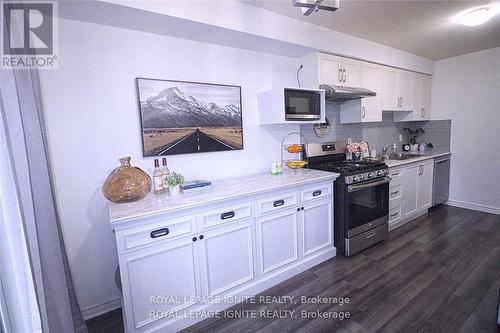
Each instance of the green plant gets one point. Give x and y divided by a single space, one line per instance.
175 179
414 134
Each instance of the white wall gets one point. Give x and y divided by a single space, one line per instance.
93 119
235 23
466 89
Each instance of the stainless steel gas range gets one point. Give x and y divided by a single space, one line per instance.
361 196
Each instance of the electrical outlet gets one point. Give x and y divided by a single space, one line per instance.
400 137
349 141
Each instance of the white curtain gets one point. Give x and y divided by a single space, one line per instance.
18 304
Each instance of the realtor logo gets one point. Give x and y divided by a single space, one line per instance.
29 35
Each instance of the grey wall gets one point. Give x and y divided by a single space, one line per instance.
381 134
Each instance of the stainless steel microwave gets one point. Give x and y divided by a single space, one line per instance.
303 104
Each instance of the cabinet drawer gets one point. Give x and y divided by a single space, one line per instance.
395 213
316 192
394 191
153 233
223 215
396 175
277 202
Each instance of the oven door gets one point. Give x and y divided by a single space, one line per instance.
367 205
302 105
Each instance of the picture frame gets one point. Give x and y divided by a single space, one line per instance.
184 117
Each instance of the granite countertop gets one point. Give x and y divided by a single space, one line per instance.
219 190
423 156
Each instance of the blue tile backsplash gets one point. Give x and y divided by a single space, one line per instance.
379 135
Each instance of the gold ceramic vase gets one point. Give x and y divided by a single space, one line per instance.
126 183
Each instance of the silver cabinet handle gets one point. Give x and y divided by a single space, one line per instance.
422 112
364 112
399 102
340 75
401 105
345 75
423 115
371 235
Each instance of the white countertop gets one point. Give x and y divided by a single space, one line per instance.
219 190
423 156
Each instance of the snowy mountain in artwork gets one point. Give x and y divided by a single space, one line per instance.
171 108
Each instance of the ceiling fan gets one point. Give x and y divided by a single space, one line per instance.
313 6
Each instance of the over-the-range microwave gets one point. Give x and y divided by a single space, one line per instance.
286 104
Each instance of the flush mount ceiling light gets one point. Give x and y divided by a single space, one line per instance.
477 16
309 6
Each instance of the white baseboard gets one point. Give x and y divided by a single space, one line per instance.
468 205
101 308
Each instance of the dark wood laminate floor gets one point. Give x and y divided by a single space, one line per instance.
438 273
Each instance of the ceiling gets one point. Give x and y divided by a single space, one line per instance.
425 28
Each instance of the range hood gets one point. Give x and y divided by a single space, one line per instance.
343 94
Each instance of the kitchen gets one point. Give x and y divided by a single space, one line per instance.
279 233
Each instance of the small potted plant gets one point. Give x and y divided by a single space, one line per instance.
174 181
414 134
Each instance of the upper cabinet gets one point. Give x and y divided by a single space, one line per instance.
420 100
396 89
405 93
368 109
338 71
389 89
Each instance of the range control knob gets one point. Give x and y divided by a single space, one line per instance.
380 173
354 179
370 175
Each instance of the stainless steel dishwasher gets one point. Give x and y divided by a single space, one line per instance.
441 188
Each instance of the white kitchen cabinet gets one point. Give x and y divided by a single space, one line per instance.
277 228
425 178
222 248
368 109
421 100
238 246
425 98
330 70
410 191
405 91
396 89
389 89
169 268
316 232
338 71
352 72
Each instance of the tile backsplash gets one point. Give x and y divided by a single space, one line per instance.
379 135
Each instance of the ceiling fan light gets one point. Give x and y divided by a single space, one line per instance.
477 16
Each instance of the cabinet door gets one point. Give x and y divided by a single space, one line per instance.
329 70
415 96
168 269
389 88
409 196
425 179
425 96
277 240
352 72
226 257
371 78
404 87
317 226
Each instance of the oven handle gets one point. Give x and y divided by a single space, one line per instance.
353 188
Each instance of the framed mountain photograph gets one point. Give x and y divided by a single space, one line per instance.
179 117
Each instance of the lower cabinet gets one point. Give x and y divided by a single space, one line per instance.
236 248
277 240
226 258
167 269
317 231
425 179
414 182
